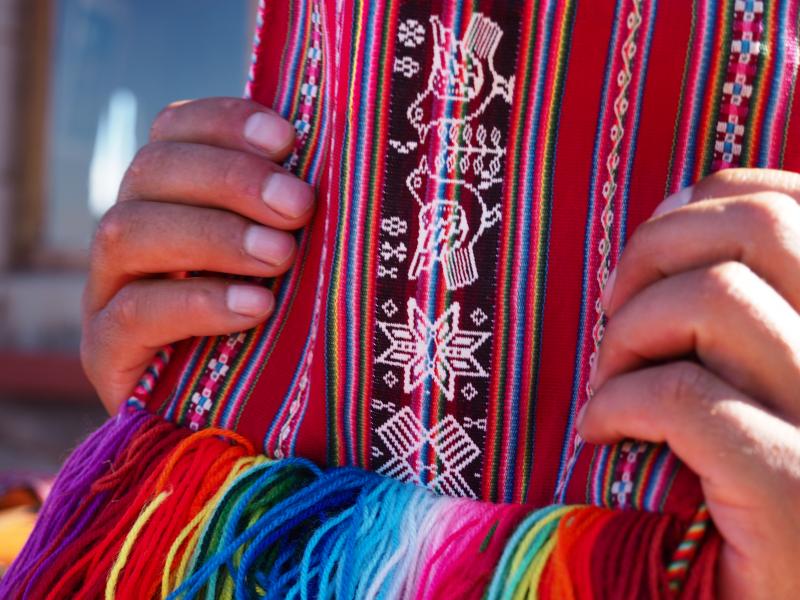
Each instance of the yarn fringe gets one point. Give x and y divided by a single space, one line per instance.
144 509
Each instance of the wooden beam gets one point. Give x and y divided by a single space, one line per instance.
33 88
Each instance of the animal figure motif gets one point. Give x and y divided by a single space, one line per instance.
459 73
446 232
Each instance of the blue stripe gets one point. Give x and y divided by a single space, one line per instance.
295 58
648 500
353 331
706 53
769 121
522 308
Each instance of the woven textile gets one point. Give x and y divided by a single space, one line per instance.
479 166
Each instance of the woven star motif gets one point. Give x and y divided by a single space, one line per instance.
439 350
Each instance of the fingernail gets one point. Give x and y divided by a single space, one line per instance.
287 195
676 200
249 301
267 245
268 131
608 290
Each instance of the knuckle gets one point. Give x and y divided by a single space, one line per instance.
682 382
724 279
146 156
124 310
164 120
638 247
86 351
111 231
723 177
771 212
144 162
200 301
242 173
729 180
227 104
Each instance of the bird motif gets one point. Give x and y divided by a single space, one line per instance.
445 233
459 72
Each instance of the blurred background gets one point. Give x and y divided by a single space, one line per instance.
80 82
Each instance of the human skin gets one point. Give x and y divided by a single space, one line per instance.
205 194
701 350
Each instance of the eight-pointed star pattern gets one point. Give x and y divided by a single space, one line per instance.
440 350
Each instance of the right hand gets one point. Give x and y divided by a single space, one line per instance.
205 194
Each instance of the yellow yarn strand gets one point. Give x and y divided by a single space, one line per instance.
537 567
130 540
520 592
191 533
239 466
227 581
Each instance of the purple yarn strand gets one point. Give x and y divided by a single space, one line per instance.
89 461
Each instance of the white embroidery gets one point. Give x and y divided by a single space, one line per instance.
411 33
469 157
403 148
478 317
459 72
390 308
406 65
394 226
469 423
387 272
469 391
397 252
445 233
450 451
381 405
390 379
437 350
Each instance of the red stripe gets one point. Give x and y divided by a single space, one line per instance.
573 166
659 111
495 420
706 134
370 283
528 375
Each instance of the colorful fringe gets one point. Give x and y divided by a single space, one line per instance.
144 509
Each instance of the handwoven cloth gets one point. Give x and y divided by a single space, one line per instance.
478 168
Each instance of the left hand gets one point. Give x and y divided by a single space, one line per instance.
702 351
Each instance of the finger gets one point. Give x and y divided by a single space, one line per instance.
740 182
202 175
231 123
140 238
747 459
120 340
719 432
733 182
735 323
761 230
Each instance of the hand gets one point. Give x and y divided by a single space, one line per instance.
702 351
205 194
